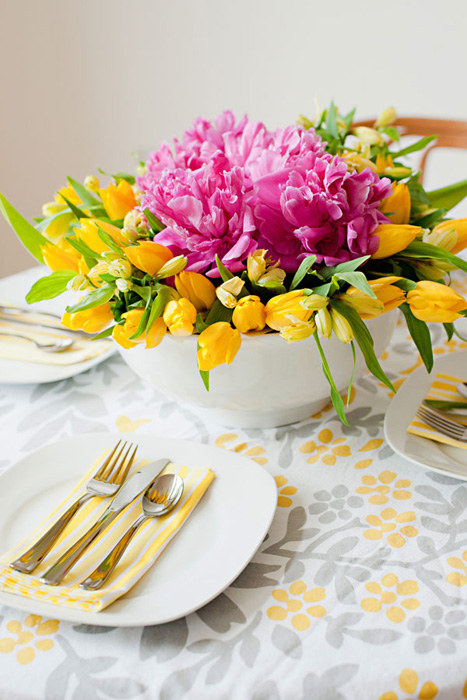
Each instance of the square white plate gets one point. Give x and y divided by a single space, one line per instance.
445 459
210 551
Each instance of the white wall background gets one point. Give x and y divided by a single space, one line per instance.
86 83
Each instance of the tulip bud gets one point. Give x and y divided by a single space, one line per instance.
122 285
431 301
228 291
51 208
304 121
388 297
429 270
118 200
256 264
367 135
135 225
91 183
341 327
387 117
76 283
460 227
110 256
298 330
90 321
323 322
180 317
356 162
398 172
314 302
94 274
141 169
172 267
282 306
394 238
249 314
217 344
363 303
446 239
197 288
148 256
397 206
120 268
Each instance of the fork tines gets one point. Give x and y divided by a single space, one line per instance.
444 425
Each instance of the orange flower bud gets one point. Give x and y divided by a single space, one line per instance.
393 238
90 320
118 200
197 288
217 344
397 206
249 314
457 225
180 316
148 256
431 301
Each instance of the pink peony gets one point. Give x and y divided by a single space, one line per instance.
230 187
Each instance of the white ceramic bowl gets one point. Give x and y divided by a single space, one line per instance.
269 383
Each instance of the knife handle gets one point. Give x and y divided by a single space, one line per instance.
62 566
28 561
100 575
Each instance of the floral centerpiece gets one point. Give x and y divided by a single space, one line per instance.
306 231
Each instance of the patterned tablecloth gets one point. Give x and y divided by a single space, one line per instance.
358 591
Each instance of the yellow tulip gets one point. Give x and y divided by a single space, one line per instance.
148 256
457 225
90 321
135 225
52 208
249 314
397 206
387 117
173 267
445 238
228 291
356 162
197 288
57 257
217 345
388 297
394 238
431 301
282 306
368 136
94 274
123 332
59 226
261 271
383 163
118 200
341 327
298 330
89 234
323 322
91 183
120 268
179 317
69 193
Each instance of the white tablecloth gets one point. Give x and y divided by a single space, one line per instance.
358 591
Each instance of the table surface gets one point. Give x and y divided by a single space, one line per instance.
357 592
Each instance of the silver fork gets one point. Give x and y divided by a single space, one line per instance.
443 425
56 346
106 481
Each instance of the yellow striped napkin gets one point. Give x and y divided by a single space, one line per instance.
443 388
146 546
17 349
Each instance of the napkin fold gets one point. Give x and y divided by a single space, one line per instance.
146 546
18 349
443 388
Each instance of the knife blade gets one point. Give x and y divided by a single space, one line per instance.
131 489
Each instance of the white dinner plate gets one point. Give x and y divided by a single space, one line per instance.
13 290
210 551
445 459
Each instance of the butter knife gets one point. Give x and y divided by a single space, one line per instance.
131 489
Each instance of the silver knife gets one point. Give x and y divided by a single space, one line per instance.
37 325
133 487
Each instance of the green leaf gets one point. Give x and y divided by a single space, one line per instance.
449 328
108 240
331 121
418 249
85 196
348 119
354 354
440 405
83 248
419 201
141 326
153 221
223 271
405 284
305 265
364 340
104 334
200 324
336 398
431 219
28 235
120 176
323 289
66 216
79 213
94 298
358 280
349 266
158 305
218 312
50 287
420 335
448 197
418 146
205 377
392 132
144 293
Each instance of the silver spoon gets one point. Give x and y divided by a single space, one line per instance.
56 346
160 497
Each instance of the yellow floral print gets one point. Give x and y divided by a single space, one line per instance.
458 578
23 637
409 684
393 523
363 464
379 488
127 425
283 500
329 449
373 444
387 593
293 603
256 453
